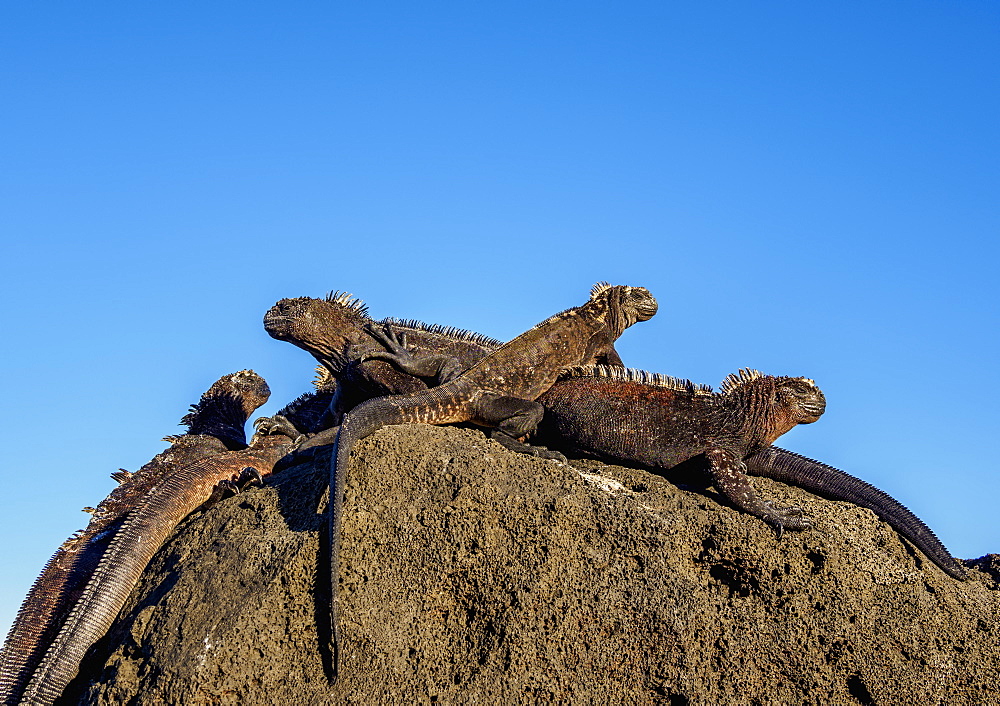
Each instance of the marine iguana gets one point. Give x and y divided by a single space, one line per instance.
338 332
214 425
496 392
630 415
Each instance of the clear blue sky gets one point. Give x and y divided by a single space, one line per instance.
808 189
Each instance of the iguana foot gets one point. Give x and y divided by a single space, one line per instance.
550 454
512 444
394 344
277 424
782 518
228 487
249 477
336 362
438 366
223 489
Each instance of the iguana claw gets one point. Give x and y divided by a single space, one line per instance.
786 517
276 424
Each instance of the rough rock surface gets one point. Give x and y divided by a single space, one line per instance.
474 575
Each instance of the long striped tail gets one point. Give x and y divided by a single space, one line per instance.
43 611
441 405
791 468
140 536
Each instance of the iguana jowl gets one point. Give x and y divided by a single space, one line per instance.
497 392
214 425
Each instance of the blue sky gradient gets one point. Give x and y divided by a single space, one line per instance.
807 188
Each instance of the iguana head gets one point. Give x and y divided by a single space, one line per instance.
773 405
225 407
804 401
322 327
247 386
623 306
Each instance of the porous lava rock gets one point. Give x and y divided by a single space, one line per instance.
474 575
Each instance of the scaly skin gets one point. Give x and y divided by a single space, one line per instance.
498 392
632 416
215 425
134 543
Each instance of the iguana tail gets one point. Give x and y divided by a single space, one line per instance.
442 405
40 616
140 536
791 468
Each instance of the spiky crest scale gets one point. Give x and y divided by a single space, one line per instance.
324 379
294 405
348 301
598 289
734 380
643 377
449 331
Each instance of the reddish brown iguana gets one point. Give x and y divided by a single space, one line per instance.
634 416
141 534
214 425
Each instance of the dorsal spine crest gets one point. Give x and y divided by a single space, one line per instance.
598 289
348 301
448 331
733 381
643 377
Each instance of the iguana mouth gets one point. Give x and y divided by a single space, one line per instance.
814 410
646 312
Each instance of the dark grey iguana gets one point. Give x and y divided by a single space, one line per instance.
633 416
315 324
214 425
338 332
496 392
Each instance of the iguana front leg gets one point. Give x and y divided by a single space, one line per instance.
611 359
729 477
437 366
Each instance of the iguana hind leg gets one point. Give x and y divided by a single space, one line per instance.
730 478
513 418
